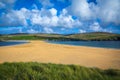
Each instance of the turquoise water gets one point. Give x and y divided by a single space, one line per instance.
9 43
101 44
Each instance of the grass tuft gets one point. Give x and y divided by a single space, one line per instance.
41 71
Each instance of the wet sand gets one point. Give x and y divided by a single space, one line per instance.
43 52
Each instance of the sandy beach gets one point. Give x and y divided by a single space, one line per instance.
43 52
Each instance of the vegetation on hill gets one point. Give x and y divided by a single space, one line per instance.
40 71
96 36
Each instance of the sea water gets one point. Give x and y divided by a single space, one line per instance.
101 44
10 43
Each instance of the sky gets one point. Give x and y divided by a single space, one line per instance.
59 16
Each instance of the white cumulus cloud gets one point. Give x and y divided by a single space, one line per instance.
79 14
46 3
14 18
109 10
82 31
32 31
7 4
81 8
50 19
48 30
95 26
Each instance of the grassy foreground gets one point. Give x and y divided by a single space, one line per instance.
40 71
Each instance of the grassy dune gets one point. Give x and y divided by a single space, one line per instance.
96 36
40 71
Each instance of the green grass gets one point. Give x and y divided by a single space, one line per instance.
98 36
40 71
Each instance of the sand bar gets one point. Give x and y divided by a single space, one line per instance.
43 52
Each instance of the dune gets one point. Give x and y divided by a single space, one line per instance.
43 52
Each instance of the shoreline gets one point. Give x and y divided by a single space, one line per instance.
83 46
44 52
29 41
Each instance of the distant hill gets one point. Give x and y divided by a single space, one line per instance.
94 36
99 36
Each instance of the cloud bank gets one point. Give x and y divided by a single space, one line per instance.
80 16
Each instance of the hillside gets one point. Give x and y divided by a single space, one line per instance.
96 36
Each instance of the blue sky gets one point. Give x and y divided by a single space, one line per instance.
59 16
